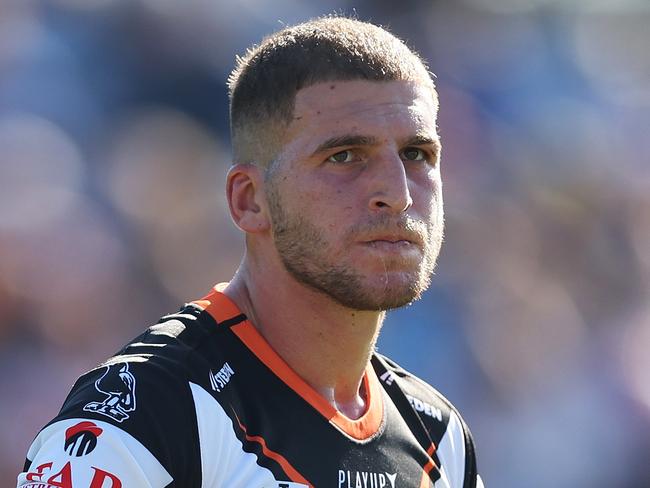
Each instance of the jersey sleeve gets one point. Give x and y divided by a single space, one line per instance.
96 454
128 423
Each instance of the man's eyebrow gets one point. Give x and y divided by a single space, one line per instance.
422 140
347 140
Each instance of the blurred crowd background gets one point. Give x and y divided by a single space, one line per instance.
113 151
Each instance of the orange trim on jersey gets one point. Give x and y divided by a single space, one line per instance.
218 305
363 428
426 481
277 457
221 308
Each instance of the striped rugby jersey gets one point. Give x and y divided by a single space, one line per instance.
201 400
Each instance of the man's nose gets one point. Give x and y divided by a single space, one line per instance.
390 186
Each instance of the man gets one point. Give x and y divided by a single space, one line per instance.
271 380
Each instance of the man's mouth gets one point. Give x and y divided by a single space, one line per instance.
392 244
395 239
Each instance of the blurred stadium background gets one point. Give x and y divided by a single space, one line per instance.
113 150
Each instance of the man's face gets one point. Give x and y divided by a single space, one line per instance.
355 194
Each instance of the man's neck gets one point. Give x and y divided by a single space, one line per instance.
327 344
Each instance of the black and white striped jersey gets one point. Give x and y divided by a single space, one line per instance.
201 400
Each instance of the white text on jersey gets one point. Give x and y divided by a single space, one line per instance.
428 409
221 378
365 479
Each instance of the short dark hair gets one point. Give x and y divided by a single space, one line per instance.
264 83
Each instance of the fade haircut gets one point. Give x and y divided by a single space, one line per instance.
264 83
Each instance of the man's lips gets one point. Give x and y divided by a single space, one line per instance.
390 241
393 242
391 246
404 239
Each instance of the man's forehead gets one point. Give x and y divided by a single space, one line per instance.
361 106
363 95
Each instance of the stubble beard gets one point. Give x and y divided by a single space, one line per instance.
303 251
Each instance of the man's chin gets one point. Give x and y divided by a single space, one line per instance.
377 291
380 298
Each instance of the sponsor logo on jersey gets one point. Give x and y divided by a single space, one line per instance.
118 384
366 479
425 407
81 439
221 378
45 476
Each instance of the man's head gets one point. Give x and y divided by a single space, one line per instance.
337 176
264 84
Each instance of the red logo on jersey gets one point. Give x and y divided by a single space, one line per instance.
81 439
41 478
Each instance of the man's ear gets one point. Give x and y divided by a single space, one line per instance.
245 194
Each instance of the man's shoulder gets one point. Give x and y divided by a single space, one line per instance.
158 363
445 428
170 347
131 412
174 336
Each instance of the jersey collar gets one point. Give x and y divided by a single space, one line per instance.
223 309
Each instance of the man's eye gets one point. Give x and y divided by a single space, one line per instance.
414 154
341 157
